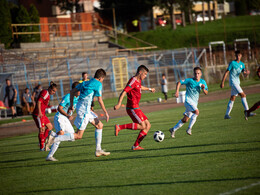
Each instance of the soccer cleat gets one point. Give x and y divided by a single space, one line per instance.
137 148
188 131
227 117
172 132
42 149
246 114
99 153
51 159
49 142
252 114
116 130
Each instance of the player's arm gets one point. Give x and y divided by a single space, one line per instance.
246 72
60 109
205 91
72 94
147 89
39 105
102 105
224 78
177 89
120 99
15 94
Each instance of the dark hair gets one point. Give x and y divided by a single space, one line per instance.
163 75
142 67
237 52
52 85
197 68
100 73
83 74
25 88
7 80
74 84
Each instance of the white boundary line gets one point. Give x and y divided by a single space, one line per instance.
239 189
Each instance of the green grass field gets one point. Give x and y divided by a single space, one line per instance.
227 30
220 156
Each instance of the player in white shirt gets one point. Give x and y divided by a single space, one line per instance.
88 89
193 87
234 69
62 122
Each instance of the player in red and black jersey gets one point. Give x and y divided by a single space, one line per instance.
41 120
133 90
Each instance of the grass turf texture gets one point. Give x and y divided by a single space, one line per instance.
166 38
220 156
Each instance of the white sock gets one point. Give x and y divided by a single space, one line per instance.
98 136
53 133
229 107
65 137
192 120
244 102
178 125
54 148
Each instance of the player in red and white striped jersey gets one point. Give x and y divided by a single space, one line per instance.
40 119
133 90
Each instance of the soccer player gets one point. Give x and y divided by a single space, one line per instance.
234 69
62 121
193 88
40 119
133 91
88 89
164 85
10 96
249 112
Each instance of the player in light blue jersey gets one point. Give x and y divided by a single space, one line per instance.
62 123
234 69
193 87
87 89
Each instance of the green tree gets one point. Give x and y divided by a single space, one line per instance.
5 23
241 7
35 19
23 18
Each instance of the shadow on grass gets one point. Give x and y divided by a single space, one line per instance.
142 155
146 184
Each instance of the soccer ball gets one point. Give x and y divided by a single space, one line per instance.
158 136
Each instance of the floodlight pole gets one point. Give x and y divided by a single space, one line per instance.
114 21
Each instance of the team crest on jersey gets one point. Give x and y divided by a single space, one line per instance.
240 66
62 101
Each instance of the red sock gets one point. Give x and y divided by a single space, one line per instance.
129 126
41 140
46 133
140 137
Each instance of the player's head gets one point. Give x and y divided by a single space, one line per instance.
163 76
73 86
238 55
26 90
52 88
100 74
8 82
84 76
142 71
197 73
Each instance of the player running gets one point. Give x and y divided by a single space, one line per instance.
88 89
234 69
193 87
40 119
62 120
140 121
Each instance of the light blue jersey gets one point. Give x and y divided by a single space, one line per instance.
193 90
235 69
88 89
65 103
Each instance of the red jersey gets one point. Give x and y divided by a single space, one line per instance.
44 98
133 90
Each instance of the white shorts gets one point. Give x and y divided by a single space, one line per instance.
189 109
235 89
61 122
83 119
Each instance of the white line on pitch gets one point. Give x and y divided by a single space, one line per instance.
239 189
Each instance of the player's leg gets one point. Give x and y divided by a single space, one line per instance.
230 106
243 101
98 136
41 128
132 126
249 112
146 127
192 120
139 117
